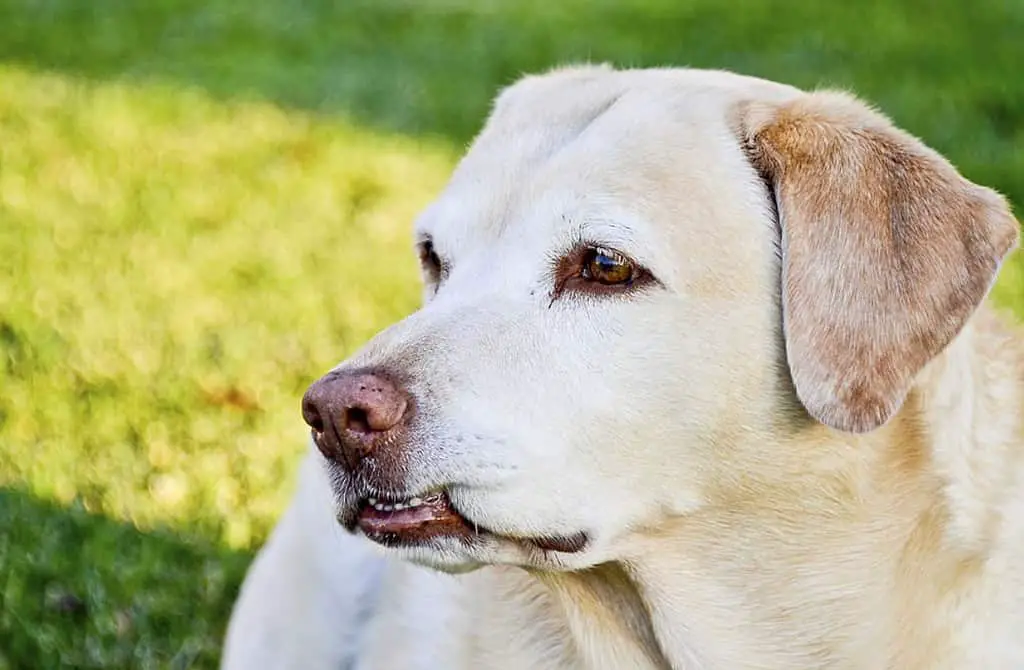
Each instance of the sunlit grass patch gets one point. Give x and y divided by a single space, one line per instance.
176 269
173 272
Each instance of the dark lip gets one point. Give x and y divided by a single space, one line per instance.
355 503
570 544
418 520
468 533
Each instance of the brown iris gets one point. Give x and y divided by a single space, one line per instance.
607 267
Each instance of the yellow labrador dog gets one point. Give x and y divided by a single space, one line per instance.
703 380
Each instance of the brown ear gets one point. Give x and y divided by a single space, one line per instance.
886 251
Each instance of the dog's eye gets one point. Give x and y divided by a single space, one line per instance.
432 264
592 269
607 267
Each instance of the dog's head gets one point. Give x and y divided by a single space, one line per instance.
631 280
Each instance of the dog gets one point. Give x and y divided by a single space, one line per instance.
704 379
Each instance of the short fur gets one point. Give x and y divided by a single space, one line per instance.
800 447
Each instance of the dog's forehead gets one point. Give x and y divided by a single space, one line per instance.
592 144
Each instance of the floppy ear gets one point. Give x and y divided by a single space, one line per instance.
886 251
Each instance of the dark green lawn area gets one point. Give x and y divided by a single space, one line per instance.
206 203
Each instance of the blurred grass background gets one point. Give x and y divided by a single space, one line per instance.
204 204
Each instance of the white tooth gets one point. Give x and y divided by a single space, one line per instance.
399 506
378 506
415 502
388 508
373 501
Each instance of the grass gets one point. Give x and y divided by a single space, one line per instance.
205 204
177 270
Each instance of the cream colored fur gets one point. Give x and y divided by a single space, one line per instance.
729 528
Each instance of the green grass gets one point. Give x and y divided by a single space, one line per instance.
204 204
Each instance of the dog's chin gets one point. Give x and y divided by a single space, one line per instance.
429 530
443 555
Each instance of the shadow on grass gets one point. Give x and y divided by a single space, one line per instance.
82 591
948 70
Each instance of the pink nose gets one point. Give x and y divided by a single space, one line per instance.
352 413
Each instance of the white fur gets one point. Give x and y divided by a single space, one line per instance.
724 534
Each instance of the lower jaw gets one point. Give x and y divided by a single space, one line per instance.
425 536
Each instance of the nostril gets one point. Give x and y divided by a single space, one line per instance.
317 424
311 415
357 420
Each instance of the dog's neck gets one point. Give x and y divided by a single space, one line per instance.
847 574
972 398
606 618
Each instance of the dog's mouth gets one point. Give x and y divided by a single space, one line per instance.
413 521
422 520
